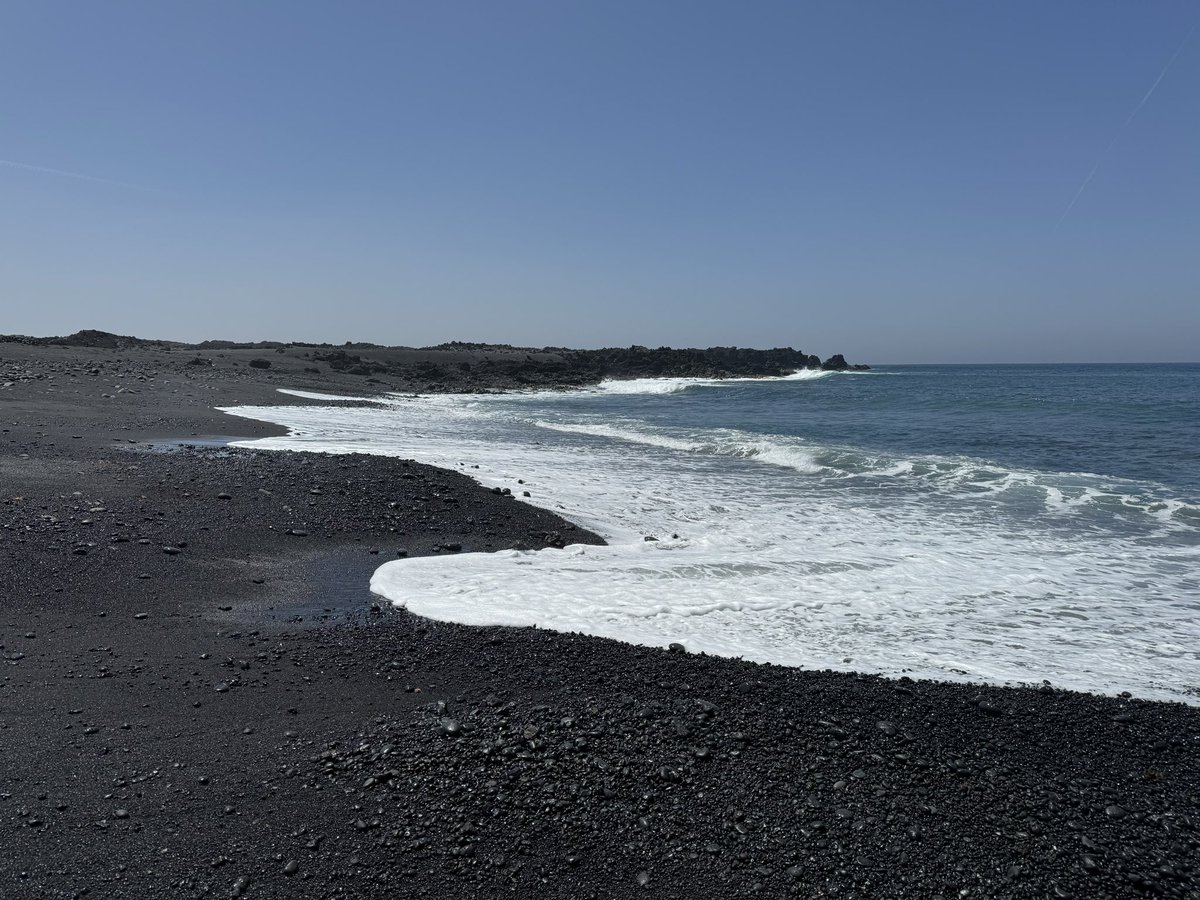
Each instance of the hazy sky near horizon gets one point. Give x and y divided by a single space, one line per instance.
899 182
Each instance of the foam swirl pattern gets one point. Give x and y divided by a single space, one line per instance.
777 544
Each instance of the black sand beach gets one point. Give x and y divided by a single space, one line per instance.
194 704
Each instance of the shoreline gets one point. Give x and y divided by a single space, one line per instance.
373 753
480 590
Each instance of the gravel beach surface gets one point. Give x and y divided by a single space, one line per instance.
200 698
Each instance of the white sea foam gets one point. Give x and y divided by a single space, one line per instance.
616 432
313 395
651 385
773 549
675 385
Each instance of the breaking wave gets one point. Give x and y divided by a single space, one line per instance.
782 548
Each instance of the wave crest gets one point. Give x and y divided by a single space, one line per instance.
1060 493
675 385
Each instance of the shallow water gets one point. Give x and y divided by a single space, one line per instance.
1003 524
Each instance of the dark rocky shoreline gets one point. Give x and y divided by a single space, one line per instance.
455 366
197 702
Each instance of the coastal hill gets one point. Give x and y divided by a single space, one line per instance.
453 366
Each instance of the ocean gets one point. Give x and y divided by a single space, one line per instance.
1002 524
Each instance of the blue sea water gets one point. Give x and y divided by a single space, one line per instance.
1138 422
989 523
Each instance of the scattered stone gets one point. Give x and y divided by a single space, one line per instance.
990 709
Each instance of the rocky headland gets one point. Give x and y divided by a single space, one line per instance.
455 366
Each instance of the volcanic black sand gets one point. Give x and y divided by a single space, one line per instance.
199 698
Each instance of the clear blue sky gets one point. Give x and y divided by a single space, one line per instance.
882 179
